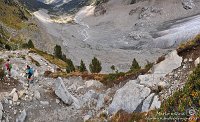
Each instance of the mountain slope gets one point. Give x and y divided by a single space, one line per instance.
13 14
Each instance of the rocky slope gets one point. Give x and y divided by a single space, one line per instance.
82 99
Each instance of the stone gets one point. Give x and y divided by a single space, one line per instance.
197 61
15 112
86 118
36 74
62 93
100 101
146 104
21 93
57 101
10 102
163 84
156 103
128 97
15 97
94 83
37 94
13 91
21 117
44 102
18 103
185 60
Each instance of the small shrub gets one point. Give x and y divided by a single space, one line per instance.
112 68
47 73
135 66
8 47
148 66
160 59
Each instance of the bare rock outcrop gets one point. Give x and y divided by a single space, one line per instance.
129 97
62 93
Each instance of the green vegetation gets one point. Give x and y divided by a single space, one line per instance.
112 68
186 98
12 14
190 44
70 67
30 44
135 66
52 59
95 66
82 67
58 51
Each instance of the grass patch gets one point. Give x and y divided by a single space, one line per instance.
189 45
52 59
13 15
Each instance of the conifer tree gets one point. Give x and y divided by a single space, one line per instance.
82 67
95 66
135 66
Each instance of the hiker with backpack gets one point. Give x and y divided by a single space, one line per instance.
8 67
29 74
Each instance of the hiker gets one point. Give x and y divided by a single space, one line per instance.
29 73
8 67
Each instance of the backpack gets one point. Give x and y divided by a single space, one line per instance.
31 71
8 66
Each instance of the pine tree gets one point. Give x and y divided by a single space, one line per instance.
82 67
95 66
70 67
64 58
135 66
112 68
30 44
58 51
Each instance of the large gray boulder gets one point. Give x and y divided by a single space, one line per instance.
172 61
128 97
147 103
62 93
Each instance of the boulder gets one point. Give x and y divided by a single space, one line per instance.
128 97
156 103
21 117
100 101
15 97
95 83
37 94
21 93
197 61
86 118
12 92
44 102
146 104
62 93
